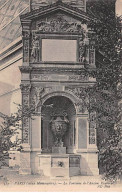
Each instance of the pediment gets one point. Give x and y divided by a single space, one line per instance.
54 9
58 23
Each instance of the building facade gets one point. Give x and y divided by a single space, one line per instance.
57 45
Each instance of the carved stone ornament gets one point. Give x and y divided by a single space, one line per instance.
92 130
80 92
81 77
59 126
82 50
35 48
26 37
26 50
92 140
81 107
25 132
25 99
26 34
92 55
25 88
36 94
60 24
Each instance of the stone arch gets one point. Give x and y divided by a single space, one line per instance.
68 95
61 102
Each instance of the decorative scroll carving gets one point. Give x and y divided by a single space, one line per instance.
40 77
92 37
26 50
26 34
92 140
58 77
36 94
92 130
59 24
81 107
25 88
80 92
25 100
25 132
92 55
26 37
77 77
35 48
48 89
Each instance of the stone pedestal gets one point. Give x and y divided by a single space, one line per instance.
25 160
59 165
59 150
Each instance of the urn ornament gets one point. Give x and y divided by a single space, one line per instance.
59 126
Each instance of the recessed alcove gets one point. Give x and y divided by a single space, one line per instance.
58 106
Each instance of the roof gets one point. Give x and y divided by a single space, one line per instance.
10 26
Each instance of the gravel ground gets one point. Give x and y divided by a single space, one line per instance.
10 177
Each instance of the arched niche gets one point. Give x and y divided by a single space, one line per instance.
57 104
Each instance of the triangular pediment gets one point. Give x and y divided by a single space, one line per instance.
59 22
55 8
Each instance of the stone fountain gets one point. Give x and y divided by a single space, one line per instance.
58 163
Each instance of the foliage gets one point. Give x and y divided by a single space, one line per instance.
110 156
10 129
106 93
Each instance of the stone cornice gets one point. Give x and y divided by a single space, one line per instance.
55 68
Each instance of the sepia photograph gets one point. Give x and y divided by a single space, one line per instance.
60 96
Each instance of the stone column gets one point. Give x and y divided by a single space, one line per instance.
25 153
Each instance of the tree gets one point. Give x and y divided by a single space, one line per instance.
107 30
110 156
10 127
